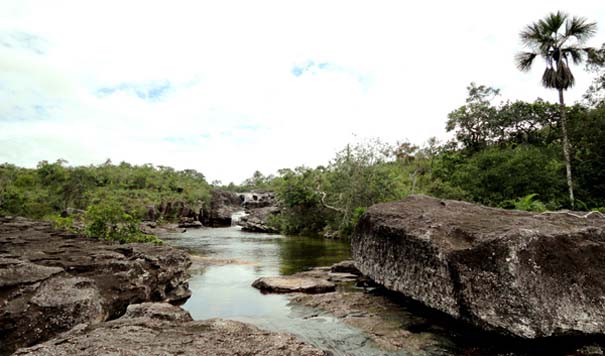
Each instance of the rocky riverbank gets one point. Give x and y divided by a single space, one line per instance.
163 329
70 295
51 281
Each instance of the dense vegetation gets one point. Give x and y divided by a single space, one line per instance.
109 199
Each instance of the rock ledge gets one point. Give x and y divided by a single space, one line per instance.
51 281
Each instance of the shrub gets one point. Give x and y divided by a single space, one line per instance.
109 221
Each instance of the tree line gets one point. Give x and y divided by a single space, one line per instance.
110 199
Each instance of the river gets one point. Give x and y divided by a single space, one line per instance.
224 291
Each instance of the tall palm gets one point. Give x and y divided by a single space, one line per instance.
558 39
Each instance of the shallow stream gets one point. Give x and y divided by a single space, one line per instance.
224 291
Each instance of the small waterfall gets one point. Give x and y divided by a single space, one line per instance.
235 217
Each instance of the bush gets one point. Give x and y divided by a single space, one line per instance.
109 221
61 223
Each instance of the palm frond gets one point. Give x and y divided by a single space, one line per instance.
533 37
553 22
580 28
524 60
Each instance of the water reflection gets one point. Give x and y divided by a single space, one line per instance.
225 291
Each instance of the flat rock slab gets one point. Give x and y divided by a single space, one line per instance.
162 329
347 266
526 274
293 284
51 281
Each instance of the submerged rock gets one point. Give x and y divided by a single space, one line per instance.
291 284
51 281
163 329
526 274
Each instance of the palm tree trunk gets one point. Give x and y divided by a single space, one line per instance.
566 148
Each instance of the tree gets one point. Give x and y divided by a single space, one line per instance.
558 39
471 121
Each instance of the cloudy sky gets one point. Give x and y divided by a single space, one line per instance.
229 87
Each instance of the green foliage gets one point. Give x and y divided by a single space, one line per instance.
62 223
302 211
527 203
471 121
329 198
357 213
109 221
53 187
497 174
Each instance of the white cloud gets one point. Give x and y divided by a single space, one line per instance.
393 70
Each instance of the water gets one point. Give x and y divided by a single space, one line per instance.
225 291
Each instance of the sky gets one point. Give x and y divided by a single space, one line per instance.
230 87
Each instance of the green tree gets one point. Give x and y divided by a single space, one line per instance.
558 39
471 121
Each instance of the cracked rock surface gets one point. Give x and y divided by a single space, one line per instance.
524 274
51 281
163 329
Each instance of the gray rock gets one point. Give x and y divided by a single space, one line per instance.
51 281
347 266
525 274
160 311
222 205
257 220
292 284
14 272
161 329
257 199
189 223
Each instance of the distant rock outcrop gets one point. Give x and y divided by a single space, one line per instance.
51 281
255 200
222 205
526 274
174 211
257 220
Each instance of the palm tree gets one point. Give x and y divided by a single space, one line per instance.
558 39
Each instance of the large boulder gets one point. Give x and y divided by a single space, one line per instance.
51 281
162 329
526 274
